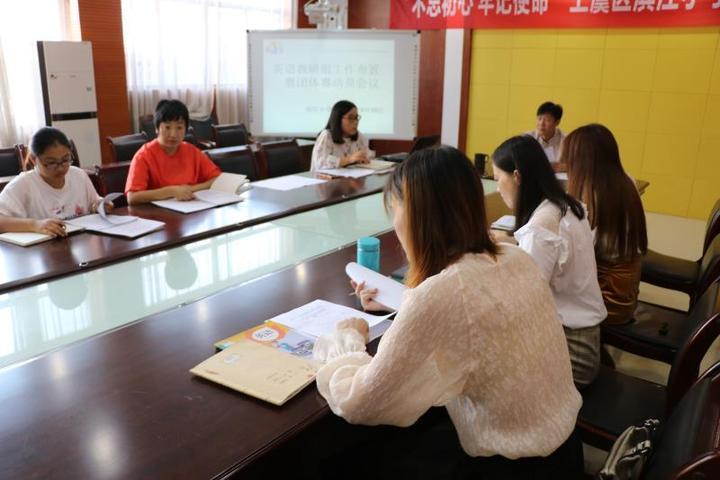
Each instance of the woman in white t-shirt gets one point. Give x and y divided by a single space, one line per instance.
40 199
341 144
553 228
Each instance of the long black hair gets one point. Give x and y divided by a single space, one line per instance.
537 179
334 124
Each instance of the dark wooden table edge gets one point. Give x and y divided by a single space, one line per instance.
44 277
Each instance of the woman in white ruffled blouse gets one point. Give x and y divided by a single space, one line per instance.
477 333
553 228
341 144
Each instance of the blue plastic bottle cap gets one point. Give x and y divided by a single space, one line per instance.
368 243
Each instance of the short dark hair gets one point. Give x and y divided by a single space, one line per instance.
45 138
334 124
537 179
170 111
550 108
444 205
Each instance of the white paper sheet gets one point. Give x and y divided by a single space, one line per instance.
347 172
188 206
389 291
289 182
217 197
561 176
229 183
319 317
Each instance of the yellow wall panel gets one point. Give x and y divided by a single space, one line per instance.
632 38
583 39
667 194
671 154
584 102
711 123
490 66
632 149
676 113
532 67
658 90
688 38
535 39
708 161
629 69
683 71
624 110
704 195
580 68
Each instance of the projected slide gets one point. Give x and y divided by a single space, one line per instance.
296 77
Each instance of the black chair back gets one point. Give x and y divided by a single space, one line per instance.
147 125
281 158
230 135
10 161
111 177
688 444
239 160
123 148
713 226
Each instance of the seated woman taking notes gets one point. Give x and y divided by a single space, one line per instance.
40 199
464 340
552 227
169 167
341 144
615 211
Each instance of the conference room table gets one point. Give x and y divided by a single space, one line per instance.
22 266
94 377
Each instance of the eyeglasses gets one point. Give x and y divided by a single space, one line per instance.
352 118
55 164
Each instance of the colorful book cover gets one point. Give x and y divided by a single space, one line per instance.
274 335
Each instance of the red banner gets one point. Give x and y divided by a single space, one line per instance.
441 14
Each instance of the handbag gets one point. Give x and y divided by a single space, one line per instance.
630 452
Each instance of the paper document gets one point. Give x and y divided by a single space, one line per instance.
127 226
380 166
289 182
347 172
389 291
506 223
223 191
260 371
320 317
561 176
25 239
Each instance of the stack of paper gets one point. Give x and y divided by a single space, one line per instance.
506 223
347 172
389 291
380 166
289 182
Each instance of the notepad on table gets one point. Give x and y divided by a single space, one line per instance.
380 166
289 182
25 239
357 172
224 190
505 223
259 371
127 226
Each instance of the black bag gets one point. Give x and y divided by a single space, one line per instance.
630 452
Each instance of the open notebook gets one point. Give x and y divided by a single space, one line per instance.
226 189
126 226
25 239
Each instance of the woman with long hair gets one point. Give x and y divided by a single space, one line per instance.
341 144
461 340
615 212
552 227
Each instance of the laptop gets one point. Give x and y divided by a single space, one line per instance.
418 144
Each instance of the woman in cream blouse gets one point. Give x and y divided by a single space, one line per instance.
460 339
341 144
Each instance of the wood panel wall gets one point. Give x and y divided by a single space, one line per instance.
101 24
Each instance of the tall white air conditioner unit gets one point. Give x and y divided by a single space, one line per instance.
68 84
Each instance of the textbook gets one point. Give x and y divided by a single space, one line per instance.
273 335
25 239
226 189
259 371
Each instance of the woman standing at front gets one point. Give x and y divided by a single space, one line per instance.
341 144
460 340
552 227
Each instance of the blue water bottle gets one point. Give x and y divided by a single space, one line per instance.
368 253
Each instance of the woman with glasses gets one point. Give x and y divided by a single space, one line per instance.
341 144
40 199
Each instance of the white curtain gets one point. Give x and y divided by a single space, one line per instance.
21 26
195 51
